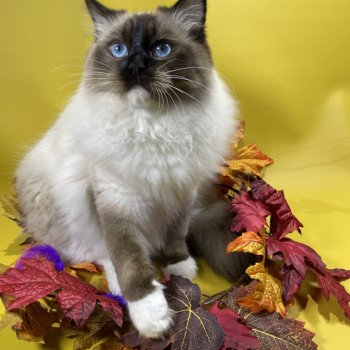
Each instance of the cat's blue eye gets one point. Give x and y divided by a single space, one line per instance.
162 50
119 50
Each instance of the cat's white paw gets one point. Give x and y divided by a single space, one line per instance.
151 315
186 268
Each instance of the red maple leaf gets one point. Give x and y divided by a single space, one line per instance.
253 207
298 258
39 278
237 335
282 219
250 214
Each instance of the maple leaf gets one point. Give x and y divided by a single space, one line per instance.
250 213
111 345
193 328
294 254
298 258
133 339
89 267
12 209
249 160
76 298
267 295
248 242
98 327
291 282
329 285
282 219
272 332
36 322
237 335
237 138
9 319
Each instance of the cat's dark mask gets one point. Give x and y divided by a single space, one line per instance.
165 51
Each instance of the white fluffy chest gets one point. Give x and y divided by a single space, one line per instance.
144 148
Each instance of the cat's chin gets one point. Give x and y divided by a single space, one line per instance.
139 97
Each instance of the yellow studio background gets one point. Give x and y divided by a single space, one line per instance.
288 62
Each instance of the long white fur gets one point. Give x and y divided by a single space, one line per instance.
125 144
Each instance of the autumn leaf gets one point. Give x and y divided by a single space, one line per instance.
236 140
298 259
249 160
111 345
294 254
267 295
36 322
330 286
237 335
9 319
134 340
12 208
272 332
282 219
250 214
248 242
76 298
193 328
98 327
88 267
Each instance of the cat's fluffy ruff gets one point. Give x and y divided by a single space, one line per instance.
147 163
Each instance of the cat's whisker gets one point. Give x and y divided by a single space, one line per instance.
168 94
179 77
68 66
178 69
187 94
78 81
162 66
174 92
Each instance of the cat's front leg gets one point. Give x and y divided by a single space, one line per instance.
148 308
175 256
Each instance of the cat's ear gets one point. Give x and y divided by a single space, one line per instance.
192 15
100 14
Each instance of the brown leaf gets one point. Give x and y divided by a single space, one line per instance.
273 332
111 345
98 327
36 322
249 160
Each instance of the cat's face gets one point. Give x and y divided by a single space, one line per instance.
164 52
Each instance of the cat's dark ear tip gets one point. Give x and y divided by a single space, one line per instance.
97 9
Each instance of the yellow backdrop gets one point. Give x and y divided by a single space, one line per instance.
286 61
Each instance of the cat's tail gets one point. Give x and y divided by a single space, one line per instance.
208 237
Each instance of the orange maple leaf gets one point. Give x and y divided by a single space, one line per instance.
249 242
89 267
268 293
249 160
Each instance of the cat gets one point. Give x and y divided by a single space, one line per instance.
126 173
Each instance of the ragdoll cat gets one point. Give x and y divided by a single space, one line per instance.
126 172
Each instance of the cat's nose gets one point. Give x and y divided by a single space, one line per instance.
136 66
